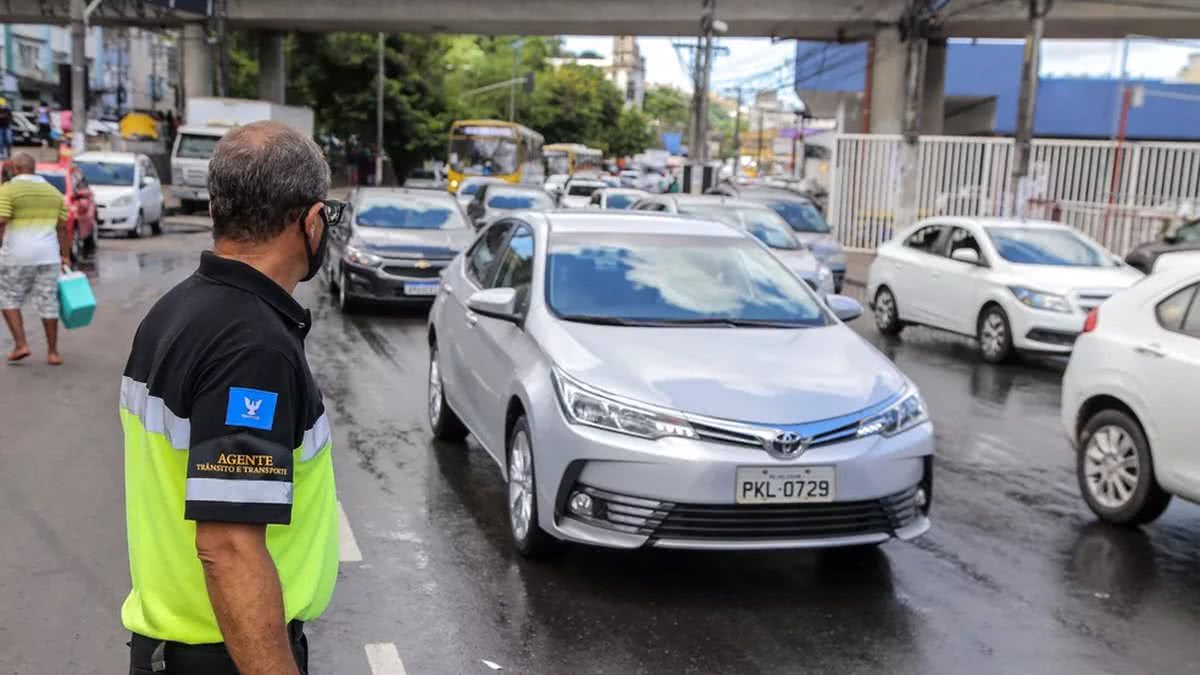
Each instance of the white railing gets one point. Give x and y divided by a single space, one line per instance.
1120 196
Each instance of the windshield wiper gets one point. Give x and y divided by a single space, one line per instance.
733 323
603 320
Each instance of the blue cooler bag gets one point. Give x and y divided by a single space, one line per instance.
76 304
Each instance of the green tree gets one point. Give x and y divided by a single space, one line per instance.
668 108
631 135
573 104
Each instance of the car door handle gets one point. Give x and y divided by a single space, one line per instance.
472 318
1153 349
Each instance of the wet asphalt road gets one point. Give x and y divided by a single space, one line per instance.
1015 576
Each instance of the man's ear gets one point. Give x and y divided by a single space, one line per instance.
312 218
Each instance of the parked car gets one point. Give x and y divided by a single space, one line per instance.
493 201
129 196
648 381
466 191
81 205
808 223
1014 285
630 178
616 198
1185 238
392 245
1128 398
578 192
760 221
24 131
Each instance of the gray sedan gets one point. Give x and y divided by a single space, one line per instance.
666 382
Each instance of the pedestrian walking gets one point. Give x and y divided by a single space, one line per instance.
6 119
43 122
33 250
226 437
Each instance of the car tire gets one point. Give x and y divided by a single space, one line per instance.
443 421
993 334
1113 452
345 303
530 540
887 316
141 229
156 226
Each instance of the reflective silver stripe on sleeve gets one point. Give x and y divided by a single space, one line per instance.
315 438
154 414
236 491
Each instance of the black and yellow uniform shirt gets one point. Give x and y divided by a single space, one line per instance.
223 422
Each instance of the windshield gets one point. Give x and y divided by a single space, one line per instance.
194 146
107 173
763 223
58 180
673 279
802 216
1040 246
409 213
582 189
483 156
557 162
620 201
519 200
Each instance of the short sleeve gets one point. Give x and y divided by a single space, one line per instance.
6 207
246 419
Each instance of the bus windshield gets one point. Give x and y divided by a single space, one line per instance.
557 162
483 155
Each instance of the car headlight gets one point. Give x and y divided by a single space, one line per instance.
1039 300
360 257
584 405
123 200
905 414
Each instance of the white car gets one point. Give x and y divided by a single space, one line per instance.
616 198
578 192
1127 398
1015 285
127 190
466 191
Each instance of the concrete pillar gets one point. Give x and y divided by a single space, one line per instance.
886 106
197 61
933 98
272 71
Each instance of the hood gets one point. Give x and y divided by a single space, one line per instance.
818 241
429 243
768 376
1063 279
801 261
107 194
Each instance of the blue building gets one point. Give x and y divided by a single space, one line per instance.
985 78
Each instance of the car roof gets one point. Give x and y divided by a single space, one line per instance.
584 221
508 187
111 157
761 192
989 221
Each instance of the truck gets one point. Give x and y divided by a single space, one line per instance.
206 120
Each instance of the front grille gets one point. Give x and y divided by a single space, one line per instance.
195 176
721 434
413 272
748 522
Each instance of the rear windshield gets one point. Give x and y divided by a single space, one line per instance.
196 146
1042 246
620 201
802 216
519 200
409 213
582 190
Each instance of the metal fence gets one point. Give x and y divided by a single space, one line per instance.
1120 195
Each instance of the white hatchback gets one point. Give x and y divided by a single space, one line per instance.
1014 285
128 192
1128 398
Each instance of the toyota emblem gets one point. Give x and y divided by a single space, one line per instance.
787 444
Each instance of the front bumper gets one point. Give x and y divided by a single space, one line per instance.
399 281
680 493
1044 331
115 218
191 193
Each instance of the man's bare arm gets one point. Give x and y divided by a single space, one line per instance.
3 227
64 244
243 586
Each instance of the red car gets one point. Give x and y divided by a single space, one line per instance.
81 205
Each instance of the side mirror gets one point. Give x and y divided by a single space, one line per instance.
967 255
844 307
1171 238
497 303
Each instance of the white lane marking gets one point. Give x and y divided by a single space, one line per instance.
347 545
384 659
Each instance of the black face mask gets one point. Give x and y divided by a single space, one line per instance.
316 258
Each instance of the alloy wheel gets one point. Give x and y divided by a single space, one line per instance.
1112 469
142 228
992 335
435 389
520 485
884 306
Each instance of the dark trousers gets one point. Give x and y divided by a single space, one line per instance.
174 658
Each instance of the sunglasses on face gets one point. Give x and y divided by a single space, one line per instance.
331 211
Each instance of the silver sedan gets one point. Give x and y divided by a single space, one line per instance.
659 381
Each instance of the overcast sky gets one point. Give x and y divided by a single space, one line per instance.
747 56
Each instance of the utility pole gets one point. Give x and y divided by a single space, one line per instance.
706 25
1027 107
737 135
219 7
759 156
80 11
910 151
379 115
512 89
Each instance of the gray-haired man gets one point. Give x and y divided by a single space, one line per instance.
233 543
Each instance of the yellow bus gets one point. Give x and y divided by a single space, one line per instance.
572 159
495 148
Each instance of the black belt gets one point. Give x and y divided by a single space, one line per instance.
154 653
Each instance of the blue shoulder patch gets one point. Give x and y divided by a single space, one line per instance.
252 408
